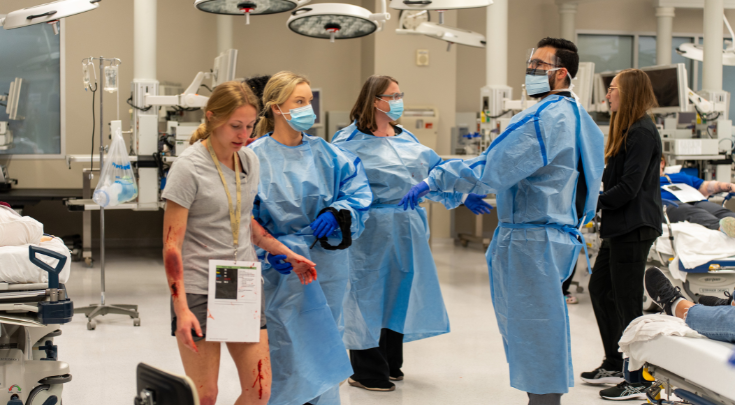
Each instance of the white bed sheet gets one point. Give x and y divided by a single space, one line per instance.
695 246
702 361
16 266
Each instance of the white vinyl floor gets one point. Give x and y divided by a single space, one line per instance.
466 366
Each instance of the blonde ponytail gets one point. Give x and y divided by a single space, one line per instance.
277 91
200 133
225 99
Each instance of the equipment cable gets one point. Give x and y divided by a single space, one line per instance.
130 103
501 114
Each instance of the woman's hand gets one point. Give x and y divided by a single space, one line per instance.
185 323
303 267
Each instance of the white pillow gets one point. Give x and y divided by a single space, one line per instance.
16 230
672 169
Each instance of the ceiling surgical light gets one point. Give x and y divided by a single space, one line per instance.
336 21
438 5
696 51
449 34
248 7
49 13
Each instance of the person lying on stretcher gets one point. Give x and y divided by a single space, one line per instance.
713 317
702 212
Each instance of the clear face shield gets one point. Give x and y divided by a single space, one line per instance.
540 63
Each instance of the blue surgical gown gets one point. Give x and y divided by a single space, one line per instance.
305 322
393 279
533 168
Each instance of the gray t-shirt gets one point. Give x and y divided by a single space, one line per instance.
194 183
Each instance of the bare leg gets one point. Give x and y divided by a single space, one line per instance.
202 368
682 308
254 369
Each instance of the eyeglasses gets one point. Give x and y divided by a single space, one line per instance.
394 96
536 63
610 89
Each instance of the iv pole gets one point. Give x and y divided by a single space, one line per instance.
102 309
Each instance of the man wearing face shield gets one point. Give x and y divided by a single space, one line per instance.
545 169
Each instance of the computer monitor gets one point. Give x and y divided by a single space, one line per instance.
14 98
670 87
225 66
158 387
316 104
584 84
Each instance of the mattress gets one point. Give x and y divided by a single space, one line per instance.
16 230
16 266
702 361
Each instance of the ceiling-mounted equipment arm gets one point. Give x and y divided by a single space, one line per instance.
382 16
188 99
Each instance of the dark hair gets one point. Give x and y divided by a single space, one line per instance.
257 84
566 51
364 109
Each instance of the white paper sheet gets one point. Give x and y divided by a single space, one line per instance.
233 311
684 192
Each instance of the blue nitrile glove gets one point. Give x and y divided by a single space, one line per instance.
324 225
412 197
476 204
277 261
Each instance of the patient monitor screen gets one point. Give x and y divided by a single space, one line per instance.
665 84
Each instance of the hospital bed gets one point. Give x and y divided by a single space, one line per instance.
713 277
693 369
33 305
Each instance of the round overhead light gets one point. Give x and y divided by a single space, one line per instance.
247 7
47 13
696 52
449 34
334 21
437 4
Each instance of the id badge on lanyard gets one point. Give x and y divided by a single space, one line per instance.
234 299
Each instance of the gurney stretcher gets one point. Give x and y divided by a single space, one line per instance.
695 369
30 319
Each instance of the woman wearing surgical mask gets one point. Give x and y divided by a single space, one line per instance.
394 292
313 197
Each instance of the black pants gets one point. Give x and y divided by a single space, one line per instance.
703 213
568 282
616 291
380 362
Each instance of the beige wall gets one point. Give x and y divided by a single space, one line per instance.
187 44
531 20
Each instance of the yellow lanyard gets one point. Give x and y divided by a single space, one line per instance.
234 215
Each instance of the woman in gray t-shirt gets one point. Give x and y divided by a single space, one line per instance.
197 228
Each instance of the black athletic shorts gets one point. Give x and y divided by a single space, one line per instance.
198 306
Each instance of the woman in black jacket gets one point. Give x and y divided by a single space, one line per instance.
631 221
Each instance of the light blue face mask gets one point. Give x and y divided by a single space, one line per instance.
536 84
302 118
396 109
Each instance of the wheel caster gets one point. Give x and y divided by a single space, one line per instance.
136 321
465 243
580 289
88 261
91 325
